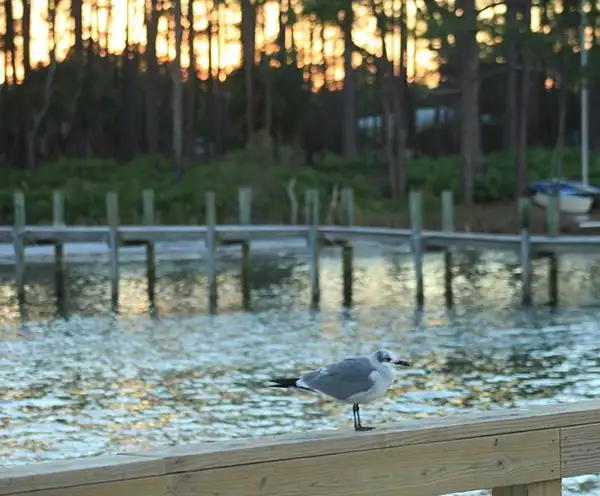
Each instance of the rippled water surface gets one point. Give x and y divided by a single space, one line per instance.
97 383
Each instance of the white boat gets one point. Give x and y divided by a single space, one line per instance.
568 204
575 197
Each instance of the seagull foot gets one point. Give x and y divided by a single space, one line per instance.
362 428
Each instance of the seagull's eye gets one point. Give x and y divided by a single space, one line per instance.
387 359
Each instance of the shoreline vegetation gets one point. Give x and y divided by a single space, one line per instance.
85 184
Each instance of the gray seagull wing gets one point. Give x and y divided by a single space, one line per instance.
340 380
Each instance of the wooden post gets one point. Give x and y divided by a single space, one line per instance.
448 226
211 249
553 227
58 219
307 200
148 218
417 243
347 249
544 488
245 206
525 250
313 243
19 246
112 213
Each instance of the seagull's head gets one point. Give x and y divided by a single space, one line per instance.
387 357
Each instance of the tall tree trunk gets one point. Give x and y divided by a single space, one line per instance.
249 48
389 101
77 15
510 116
129 72
524 104
349 130
177 98
284 6
401 105
26 27
470 135
210 92
152 78
218 98
192 82
10 47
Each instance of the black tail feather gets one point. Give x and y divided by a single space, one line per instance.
284 382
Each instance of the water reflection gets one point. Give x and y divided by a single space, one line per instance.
98 383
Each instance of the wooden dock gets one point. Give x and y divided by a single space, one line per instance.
513 452
212 234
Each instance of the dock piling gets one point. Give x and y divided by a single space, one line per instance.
58 219
245 206
312 205
112 213
448 226
553 227
211 249
525 250
149 219
416 243
19 245
347 249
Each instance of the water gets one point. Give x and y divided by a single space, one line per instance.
98 383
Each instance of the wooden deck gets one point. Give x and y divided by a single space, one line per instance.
212 234
35 235
514 452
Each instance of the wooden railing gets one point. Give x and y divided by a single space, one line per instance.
515 452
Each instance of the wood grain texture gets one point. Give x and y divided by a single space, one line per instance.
578 421
545 488
520 490
580 450
431 239
421 470
149 486
318 443
77 472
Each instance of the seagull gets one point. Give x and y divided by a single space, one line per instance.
354 380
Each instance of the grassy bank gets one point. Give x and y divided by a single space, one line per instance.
85 184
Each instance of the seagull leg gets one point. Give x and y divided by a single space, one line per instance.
357 425
355 416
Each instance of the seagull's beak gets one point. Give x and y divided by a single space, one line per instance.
402 362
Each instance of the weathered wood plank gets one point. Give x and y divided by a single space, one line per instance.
70 473
212 241
525 250
448 226
545 488
319 443
149 486
433 239
416 244
520 490
347 250
245 219
58 219
313 247
426 457
580 450
19 245
422 470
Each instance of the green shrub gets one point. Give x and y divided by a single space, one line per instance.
86 182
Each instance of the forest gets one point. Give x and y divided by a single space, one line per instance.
382 95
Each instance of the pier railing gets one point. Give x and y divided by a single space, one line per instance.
212 234
512 452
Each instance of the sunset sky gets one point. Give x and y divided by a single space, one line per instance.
421 63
